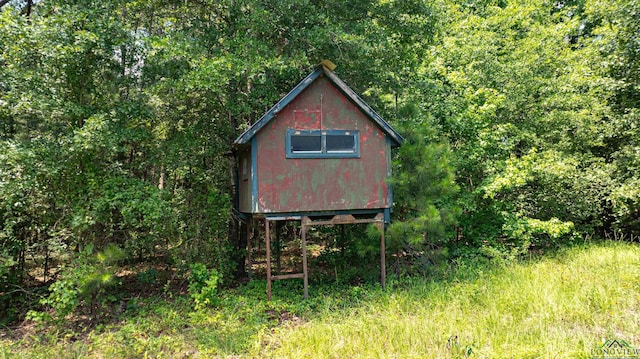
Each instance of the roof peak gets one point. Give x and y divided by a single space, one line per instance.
328 64
322 69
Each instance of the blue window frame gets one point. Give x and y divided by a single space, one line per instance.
323 143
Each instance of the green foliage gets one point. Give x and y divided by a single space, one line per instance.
424 191
94 273
523 234
625 201
127 208
537 114
342 246
6 263
63 300
11 302
557 305
85 281
203 286
116 120
150 276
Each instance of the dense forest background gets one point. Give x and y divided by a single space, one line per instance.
117 117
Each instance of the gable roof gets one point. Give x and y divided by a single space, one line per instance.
396 138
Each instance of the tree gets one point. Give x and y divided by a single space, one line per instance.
515 89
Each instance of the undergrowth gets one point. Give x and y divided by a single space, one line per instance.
561 305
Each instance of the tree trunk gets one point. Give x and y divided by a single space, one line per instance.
29 5
238 241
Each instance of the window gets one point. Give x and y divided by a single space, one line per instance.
307 143
340 143
322 143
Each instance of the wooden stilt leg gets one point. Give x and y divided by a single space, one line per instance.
267 235
383 264
304 261
277 245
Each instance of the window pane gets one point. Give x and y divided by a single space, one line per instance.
341 143
306 143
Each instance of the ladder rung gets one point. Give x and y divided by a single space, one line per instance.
287 276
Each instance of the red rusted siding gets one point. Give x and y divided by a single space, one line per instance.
319 184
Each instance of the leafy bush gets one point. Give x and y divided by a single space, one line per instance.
150 276
6 262
525 232
10 298
203 285
626 205
62 300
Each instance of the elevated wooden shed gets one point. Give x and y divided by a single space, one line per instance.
321 155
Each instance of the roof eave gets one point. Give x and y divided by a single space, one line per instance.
273 111
396 138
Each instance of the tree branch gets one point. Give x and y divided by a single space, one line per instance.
4 2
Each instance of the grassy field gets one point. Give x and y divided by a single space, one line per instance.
559 306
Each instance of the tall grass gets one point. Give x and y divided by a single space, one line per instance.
558 306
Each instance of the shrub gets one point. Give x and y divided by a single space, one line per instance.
203 285
85 281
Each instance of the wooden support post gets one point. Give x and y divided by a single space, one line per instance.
343 241
304 261
305 223
383 264
278 244
267 235
249 258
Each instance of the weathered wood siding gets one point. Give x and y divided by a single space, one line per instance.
244 176
321 184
